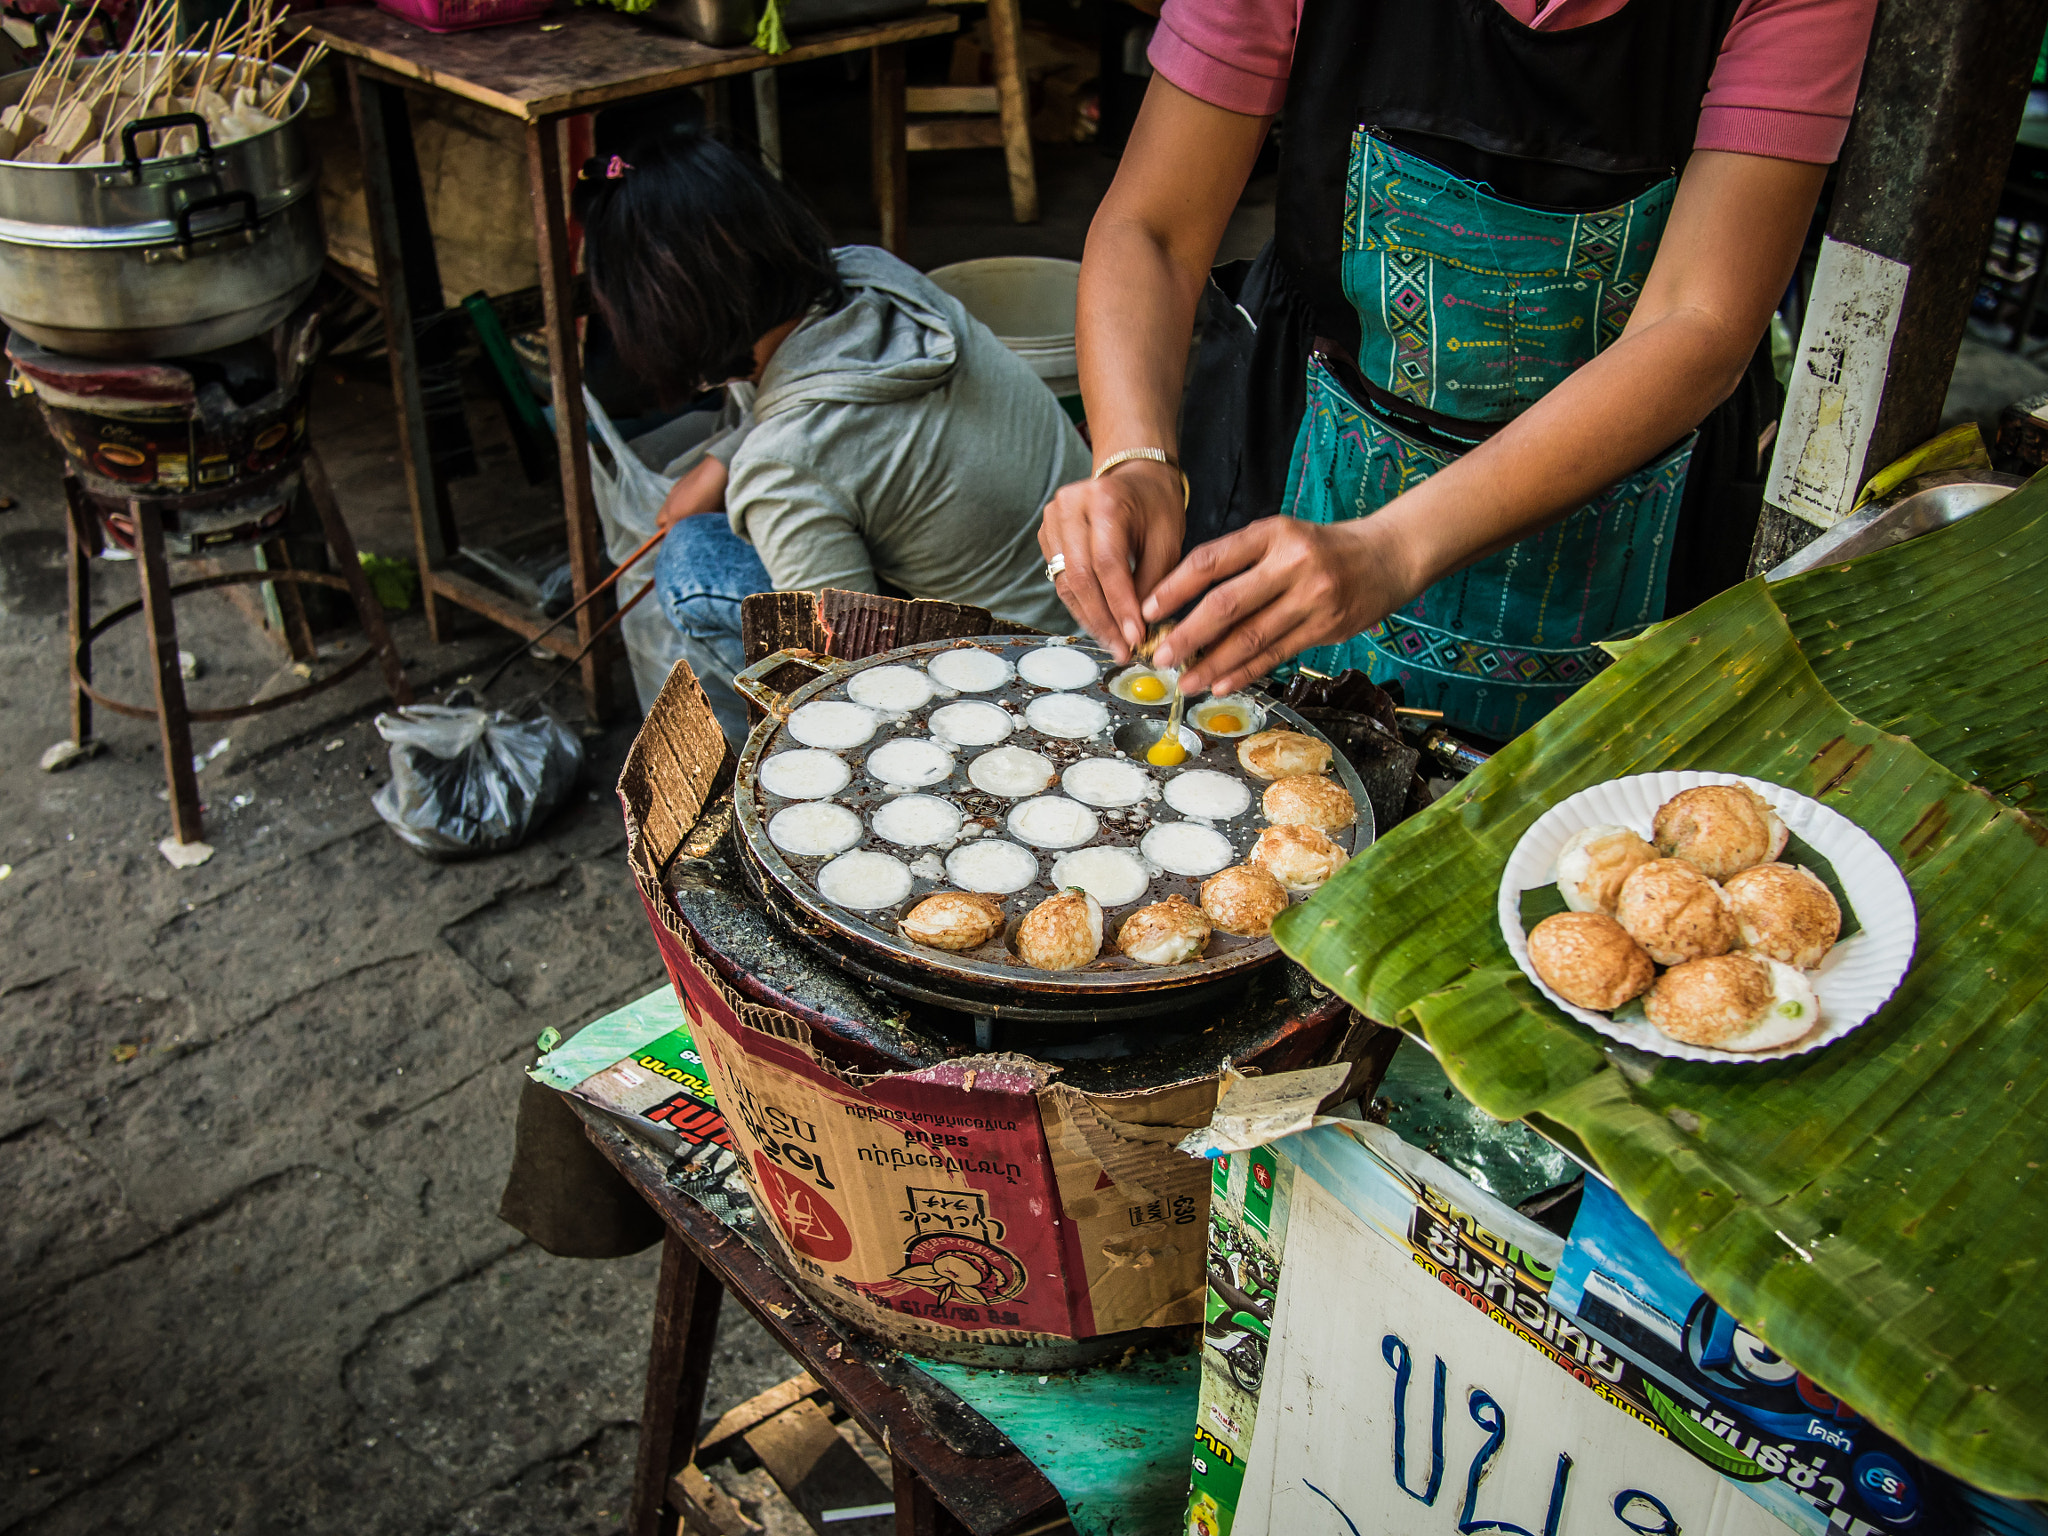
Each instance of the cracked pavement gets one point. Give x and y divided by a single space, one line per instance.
257 1114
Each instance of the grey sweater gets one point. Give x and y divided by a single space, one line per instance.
897 440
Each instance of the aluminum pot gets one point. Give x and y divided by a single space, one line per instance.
162 257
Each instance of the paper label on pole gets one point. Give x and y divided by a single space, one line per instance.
1837 381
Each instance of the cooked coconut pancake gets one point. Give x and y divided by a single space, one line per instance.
917 821
1593 863
1106 781
1011 772
1143 685
971 723
1310 800
1061 933
1282 754
1586 958
1733 1003
1785 913
1058 666
1116 877
910 762
864 881
1676 913
1243 900
891 690
1720 829
832 724
1067 716
1300 858
814 829
1205 793
969 670
954 920
1165 933
1187 848
805 774
991 865
1232 715
1053 821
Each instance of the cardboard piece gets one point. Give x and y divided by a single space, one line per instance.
977 1202
1392 1352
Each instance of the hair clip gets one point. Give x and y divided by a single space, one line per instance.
616 169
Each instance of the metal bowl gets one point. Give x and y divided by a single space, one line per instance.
993 979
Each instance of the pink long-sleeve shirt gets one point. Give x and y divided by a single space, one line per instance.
1784 84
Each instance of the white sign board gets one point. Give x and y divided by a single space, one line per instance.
1402 1413
1831 399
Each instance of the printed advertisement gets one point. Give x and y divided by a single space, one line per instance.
1368 1383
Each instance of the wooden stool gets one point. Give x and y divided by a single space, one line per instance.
173 715
1008 102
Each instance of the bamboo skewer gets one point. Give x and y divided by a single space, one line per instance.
74 110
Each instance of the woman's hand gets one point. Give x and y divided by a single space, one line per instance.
1119 536
701 489
1275 589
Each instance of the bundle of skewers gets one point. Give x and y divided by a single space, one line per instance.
74 108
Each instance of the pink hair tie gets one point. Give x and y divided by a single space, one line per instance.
616 168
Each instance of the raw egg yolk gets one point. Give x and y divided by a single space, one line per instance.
1147 690
1223 722
1166 752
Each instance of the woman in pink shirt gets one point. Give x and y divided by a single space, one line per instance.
1522 251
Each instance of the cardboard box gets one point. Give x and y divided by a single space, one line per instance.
1440 1363
975 1203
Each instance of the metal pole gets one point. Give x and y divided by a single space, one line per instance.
1920 176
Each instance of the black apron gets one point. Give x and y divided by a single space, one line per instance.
1566 129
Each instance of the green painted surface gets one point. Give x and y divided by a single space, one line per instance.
1116 1441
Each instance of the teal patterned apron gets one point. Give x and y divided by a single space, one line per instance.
1473 308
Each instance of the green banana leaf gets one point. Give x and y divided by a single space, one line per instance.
1874 1210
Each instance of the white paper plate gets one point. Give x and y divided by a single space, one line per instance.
1852 983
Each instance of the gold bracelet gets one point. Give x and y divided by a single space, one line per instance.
1156 456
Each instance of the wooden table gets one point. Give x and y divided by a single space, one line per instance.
939 1489
542 73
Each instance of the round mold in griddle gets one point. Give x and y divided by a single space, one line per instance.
993 979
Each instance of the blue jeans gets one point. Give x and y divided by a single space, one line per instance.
702 571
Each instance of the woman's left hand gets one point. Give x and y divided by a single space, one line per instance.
1275 589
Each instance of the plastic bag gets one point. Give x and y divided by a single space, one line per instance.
466 782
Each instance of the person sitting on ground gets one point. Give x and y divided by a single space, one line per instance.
893 444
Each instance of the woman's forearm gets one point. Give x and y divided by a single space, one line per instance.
1131 330
1616 414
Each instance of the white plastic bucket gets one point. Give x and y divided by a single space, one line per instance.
1028 301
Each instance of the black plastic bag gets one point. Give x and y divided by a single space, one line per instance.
466 782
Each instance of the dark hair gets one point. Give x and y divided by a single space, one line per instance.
695 253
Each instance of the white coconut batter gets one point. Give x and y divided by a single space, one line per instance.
1113 876
1187 848
1053 821
1067 716
832 724
991 867
917 821
970 670
1106 781
806 774
1208 794
910 762
1058 666
892 690
864 881
971 723
1011 772
814 830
